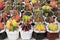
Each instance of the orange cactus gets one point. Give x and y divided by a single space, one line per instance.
51 19
6 12
1 0
53 3
1 26
2 3
26 1
17 18
29 20
15 12
30 7
13 17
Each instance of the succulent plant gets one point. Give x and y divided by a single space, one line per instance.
12 25
19 7
26 27
26 19
40 27
47 13
1 26
28 13
50 20
53 27
8 7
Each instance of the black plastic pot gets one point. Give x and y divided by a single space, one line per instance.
39 36
3 35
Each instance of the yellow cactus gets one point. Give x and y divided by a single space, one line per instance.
39 27
45 7
14 23
53 26
34 1
11 24
8 25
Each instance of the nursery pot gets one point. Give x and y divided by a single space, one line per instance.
39 35
58 26
26 34
12 35
3 34
52 35
59 30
